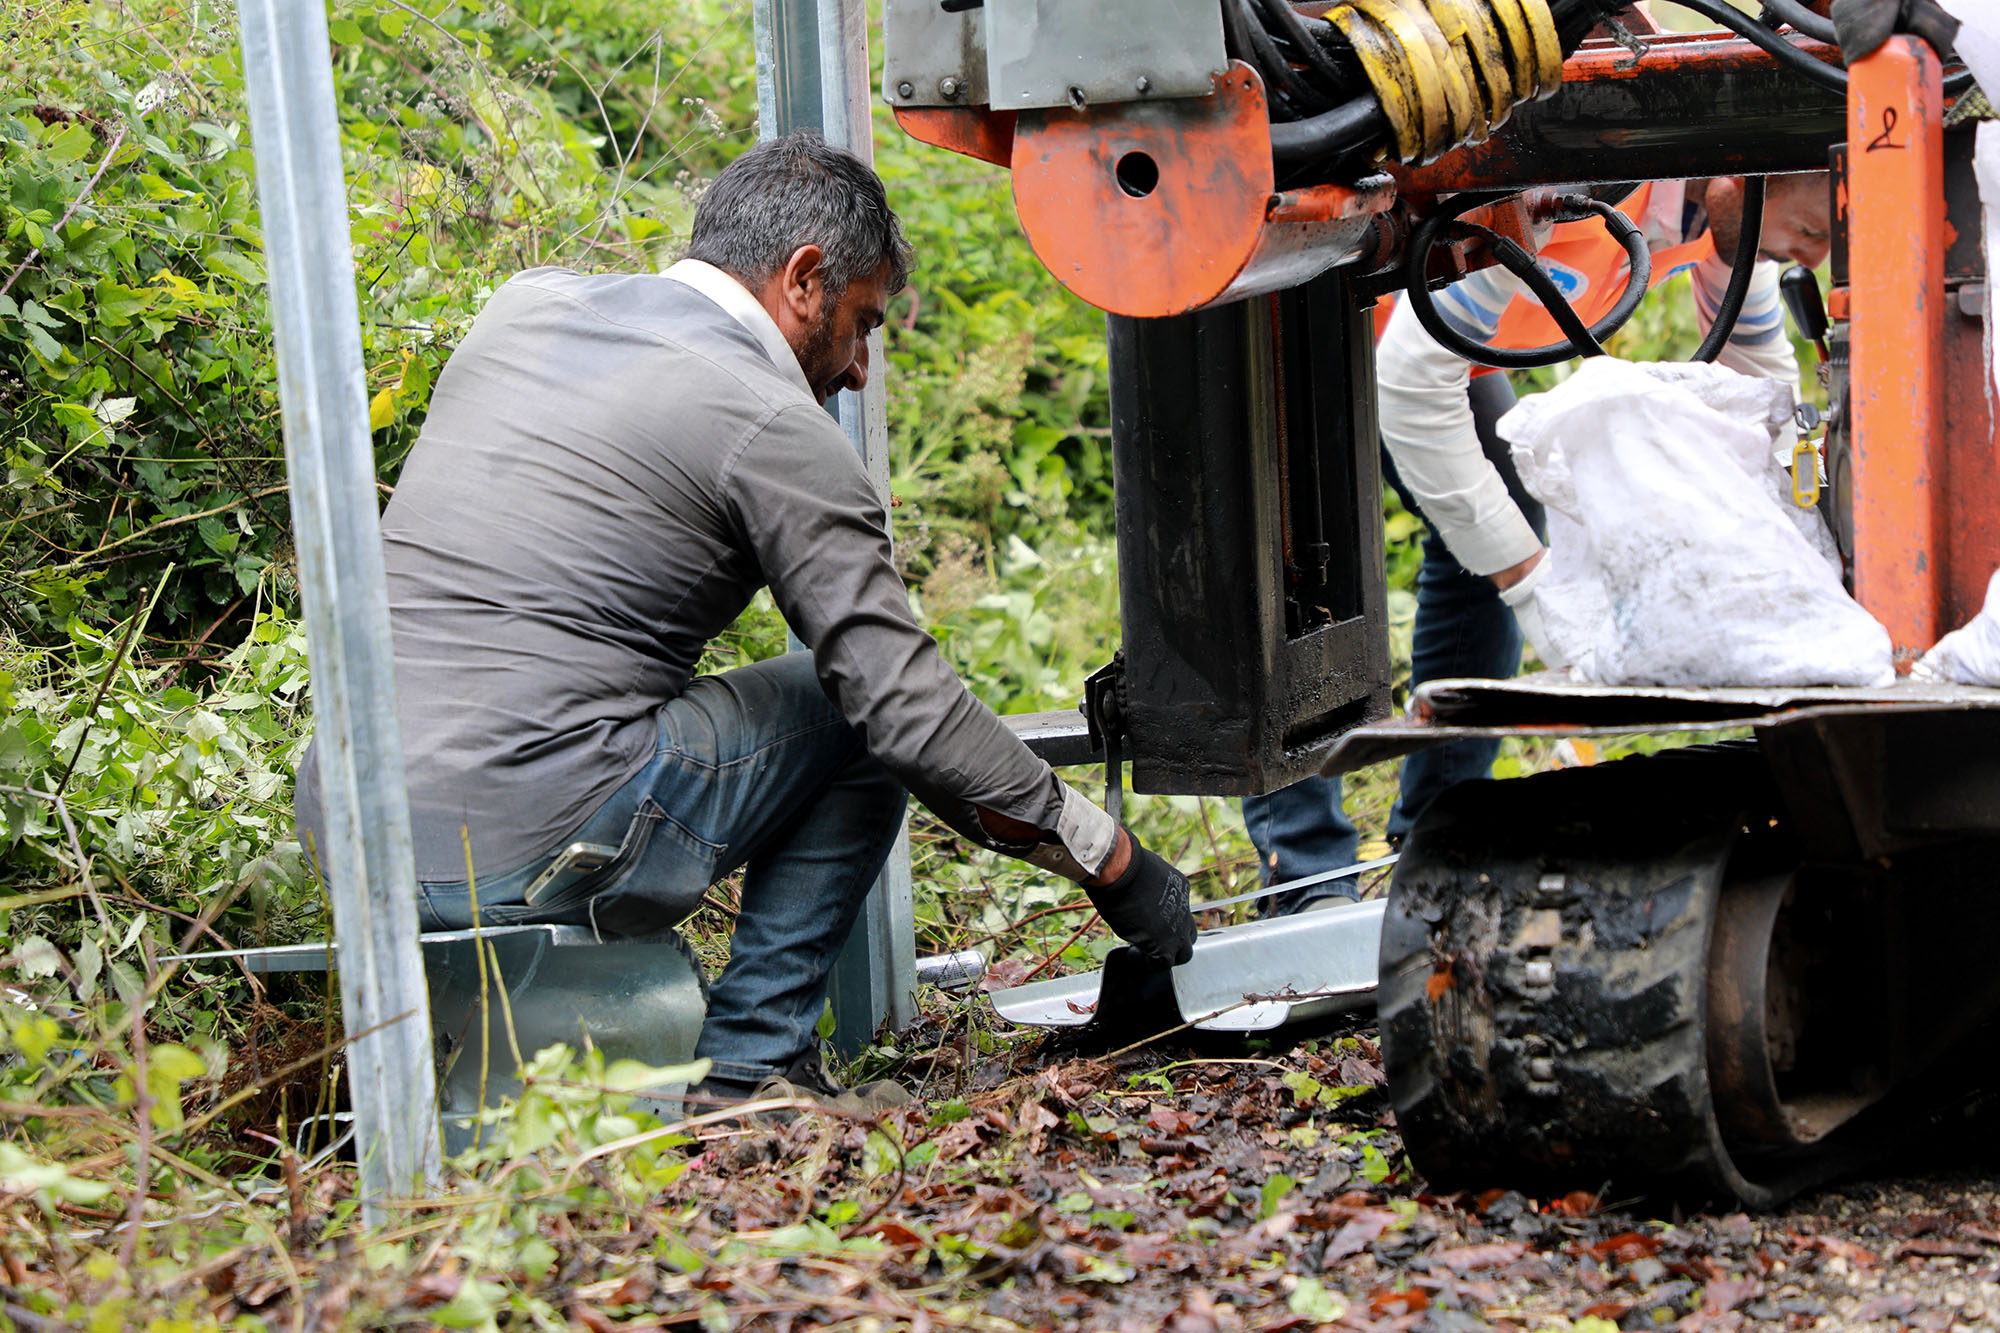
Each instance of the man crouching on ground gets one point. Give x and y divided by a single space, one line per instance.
612 465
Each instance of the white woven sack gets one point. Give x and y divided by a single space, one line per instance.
1675 561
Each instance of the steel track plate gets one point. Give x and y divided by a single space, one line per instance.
1549 703
1246 978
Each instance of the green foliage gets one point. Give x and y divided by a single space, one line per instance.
999 412
136 377
113 778
139 371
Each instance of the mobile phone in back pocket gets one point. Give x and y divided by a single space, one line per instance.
572 863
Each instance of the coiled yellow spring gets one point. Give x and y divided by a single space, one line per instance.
1450 72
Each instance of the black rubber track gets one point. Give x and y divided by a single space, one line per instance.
1543 979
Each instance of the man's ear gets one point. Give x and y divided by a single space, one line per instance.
800 287
1724 201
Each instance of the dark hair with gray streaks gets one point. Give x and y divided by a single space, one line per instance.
793 191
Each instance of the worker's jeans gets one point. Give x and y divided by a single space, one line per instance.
1462 629
755 768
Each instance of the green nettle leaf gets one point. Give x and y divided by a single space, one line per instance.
217 536
234 265
36 957
167 1067
117 305
46 347
72 145
476 1303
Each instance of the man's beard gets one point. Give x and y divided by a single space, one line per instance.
816 357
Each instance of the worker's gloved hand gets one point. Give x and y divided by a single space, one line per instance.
1520 598
1863 25
1148 907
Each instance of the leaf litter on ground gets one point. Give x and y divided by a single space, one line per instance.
1185 1187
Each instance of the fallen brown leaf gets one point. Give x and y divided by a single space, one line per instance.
1360 1229
1840 1249
1725 1294
1625 1247
1938 1249
593 1319
895 1233
1885 1307
434 1288
1469 1258
1386 1301
1004 975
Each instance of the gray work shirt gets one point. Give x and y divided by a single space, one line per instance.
611 467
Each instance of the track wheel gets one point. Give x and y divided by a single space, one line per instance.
1548 974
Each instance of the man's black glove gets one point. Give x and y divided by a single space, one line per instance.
1863 25
1148 907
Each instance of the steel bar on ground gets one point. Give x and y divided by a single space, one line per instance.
366 859
812 73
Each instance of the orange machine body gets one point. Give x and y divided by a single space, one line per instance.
1158 209
1153 209
1895 241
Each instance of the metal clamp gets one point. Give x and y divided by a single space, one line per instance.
1105 714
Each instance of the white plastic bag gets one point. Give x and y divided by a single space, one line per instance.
1969 655
1674 560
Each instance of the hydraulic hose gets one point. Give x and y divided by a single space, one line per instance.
1748 28
1330 134
1748 238
1305 45
1801 19
1581 339
1440 73
1827 76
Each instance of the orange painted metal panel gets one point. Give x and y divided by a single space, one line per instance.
974 131
1148 208
1158 208
1896 249
1972 473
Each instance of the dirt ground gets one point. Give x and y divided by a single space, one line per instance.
1219 1187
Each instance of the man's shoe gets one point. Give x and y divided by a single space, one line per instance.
807 1079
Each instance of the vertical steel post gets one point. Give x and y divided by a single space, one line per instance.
812 72
367 855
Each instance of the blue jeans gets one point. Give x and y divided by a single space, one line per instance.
754 768
1462 629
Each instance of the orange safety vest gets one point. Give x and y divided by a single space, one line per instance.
1589 266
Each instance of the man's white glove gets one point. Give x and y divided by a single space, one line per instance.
1520 597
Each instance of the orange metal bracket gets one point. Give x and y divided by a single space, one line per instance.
1896 244
1158 208
973 131
1147 209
